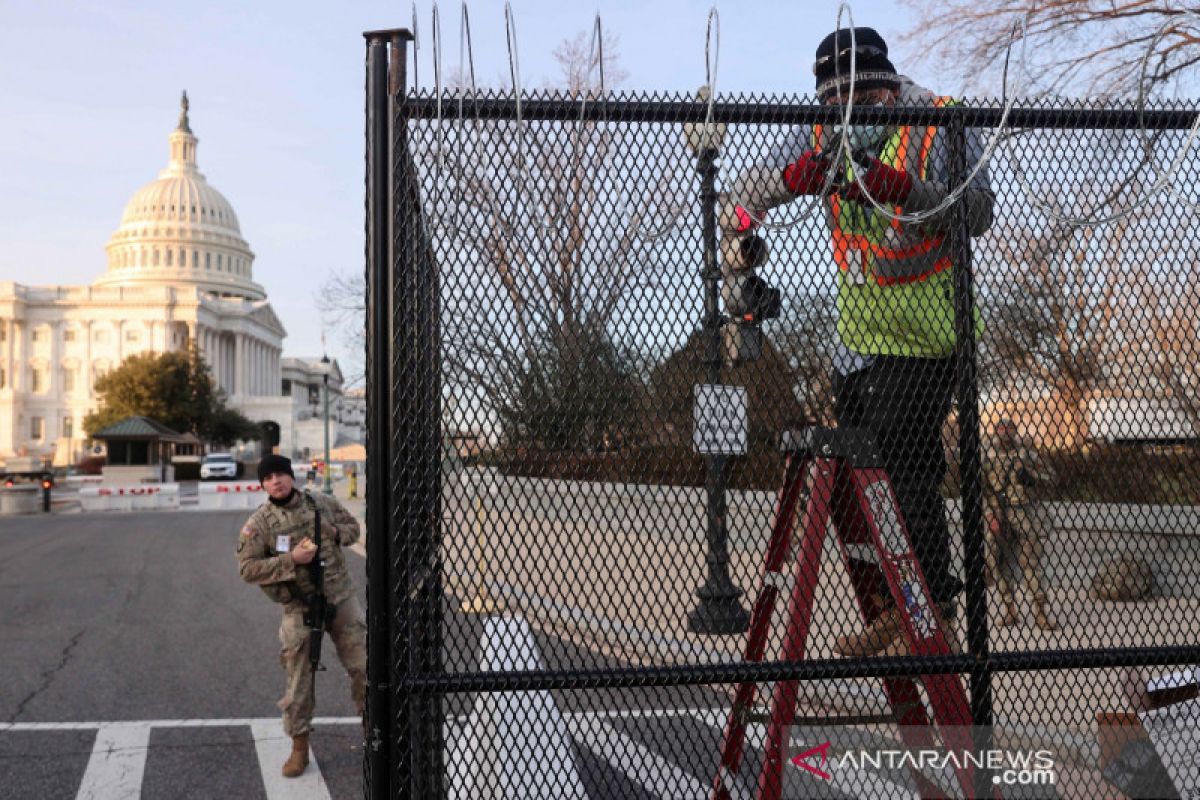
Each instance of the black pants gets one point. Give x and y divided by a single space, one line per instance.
904 402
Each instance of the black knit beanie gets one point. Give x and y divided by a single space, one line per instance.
274 463
872 70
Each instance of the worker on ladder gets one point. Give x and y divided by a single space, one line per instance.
895 292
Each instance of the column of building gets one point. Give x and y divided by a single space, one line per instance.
86 371
20 349
10 338
53 419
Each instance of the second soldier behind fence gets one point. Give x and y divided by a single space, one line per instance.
274 551
1017 521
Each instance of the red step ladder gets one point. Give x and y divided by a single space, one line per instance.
846 482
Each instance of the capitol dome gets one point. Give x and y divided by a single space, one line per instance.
179 230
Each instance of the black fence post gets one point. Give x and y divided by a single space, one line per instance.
417 458
380 730
969 456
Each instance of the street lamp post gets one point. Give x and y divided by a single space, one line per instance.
719 610
328 487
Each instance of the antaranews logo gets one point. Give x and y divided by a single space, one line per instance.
822 750
1009 767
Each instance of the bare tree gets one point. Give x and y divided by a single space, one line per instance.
1062 295
1175 338
342 303
541 237
536 231
1084 46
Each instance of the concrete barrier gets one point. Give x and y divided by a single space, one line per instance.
23 498
145 497
80 481
231 494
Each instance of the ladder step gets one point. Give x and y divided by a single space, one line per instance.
855 445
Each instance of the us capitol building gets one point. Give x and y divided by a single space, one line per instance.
178 271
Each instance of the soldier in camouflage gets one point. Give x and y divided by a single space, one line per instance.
274 551
1016 521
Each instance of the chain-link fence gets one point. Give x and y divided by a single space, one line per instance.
627 361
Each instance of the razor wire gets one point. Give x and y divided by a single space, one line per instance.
1142 100
844 145
1164 178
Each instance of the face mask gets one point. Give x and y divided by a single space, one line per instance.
862 137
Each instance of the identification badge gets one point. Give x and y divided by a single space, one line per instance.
283 544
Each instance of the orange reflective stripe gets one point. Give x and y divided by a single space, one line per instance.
927 141
901 163
902 148
844 242
941 265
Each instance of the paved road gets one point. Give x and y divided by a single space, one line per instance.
137 664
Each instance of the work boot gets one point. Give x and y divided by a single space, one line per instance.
1010 616
1041 616
877 636
297 762
899 645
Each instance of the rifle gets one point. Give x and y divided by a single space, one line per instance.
317 610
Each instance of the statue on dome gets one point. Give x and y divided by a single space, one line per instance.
183 113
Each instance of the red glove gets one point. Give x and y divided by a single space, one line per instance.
737 220
807 175
745 221
885 184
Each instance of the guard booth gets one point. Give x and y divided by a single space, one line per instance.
140 450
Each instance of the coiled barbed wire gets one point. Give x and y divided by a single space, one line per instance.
844 146
466 68
1002 132
439 120
514 67
1161 179
1142 101
416 47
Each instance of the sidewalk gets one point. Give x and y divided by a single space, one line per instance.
605 579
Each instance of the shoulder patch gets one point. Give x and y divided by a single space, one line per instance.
247 532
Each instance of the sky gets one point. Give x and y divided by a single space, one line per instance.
90 91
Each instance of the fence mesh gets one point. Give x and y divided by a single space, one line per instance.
583 301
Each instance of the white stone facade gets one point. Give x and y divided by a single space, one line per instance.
178 271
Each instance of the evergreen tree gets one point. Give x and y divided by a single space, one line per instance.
173 388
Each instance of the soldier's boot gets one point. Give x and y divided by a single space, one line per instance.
1010 616
298 761
1044 619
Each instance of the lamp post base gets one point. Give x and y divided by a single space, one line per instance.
719 612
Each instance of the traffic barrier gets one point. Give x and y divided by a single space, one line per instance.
80 481
130 498
19 499
226 495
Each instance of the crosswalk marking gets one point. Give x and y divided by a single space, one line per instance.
273 748
231 722
517 741
662 778
114 771
118 758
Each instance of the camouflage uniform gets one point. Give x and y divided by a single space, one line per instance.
263 559
1013 471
